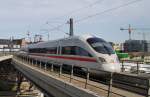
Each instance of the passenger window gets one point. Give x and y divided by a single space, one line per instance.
41 50
66 50
34 50
52 50
82 52
74 50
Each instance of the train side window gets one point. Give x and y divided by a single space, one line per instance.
82 52
34 50
37 50
30 50
74 50
52 50
66 50
42 50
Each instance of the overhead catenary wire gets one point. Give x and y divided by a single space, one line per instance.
76 10
99 13
54 28
91 4
81 8
107 10
93 15
57 27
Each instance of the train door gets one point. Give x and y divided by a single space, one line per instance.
59 48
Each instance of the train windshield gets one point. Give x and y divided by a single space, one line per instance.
100 46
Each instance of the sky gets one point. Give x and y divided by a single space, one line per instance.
17 17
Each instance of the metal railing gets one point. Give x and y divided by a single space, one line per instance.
135 66
6 53
56 68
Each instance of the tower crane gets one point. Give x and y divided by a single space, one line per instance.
130 29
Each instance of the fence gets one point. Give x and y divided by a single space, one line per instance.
6 53
135 66
112 79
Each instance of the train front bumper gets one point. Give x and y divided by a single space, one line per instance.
112 67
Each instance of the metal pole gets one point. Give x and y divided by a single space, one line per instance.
148 88
137 67
87 78
129 32
60 70
71 75
36 63
71 27
52 68
22 58
48 36
122 67
29 61
26 59
40 64
110 84
32 62
45 66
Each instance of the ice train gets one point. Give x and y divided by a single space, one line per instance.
85 51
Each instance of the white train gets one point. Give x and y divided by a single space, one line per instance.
85 51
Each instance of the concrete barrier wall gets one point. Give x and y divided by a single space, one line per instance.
2 58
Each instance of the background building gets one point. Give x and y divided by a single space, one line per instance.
118 47
11 45
137 46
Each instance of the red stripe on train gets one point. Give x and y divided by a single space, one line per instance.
74 58
69 58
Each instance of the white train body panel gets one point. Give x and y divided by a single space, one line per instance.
84 53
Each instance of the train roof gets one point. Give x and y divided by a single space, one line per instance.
82 38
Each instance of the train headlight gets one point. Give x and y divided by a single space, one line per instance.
102 60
